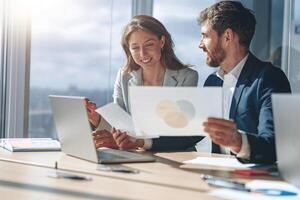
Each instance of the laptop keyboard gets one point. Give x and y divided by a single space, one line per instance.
113 154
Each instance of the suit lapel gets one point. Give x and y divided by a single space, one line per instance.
170 78
240 85
136 78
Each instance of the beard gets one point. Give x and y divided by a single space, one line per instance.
215 56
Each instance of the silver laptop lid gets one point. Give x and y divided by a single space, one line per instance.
286 111
73 127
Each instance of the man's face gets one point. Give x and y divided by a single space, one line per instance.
211 43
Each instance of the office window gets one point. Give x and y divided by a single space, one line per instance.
291 43
180 18
296 8
75 50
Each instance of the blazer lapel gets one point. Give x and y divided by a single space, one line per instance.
170 78
136 78
242 82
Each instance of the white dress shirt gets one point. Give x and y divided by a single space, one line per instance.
229 84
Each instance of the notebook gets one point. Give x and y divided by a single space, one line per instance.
30 144
74 132
286 111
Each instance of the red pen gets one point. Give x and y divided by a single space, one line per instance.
251 172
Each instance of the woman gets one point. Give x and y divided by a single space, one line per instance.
151 61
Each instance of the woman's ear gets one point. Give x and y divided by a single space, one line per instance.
162 41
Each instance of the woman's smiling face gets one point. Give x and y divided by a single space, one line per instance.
145 48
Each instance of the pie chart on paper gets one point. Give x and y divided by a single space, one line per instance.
175 114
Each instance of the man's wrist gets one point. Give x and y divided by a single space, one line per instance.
237 147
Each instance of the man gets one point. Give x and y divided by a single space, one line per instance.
247 128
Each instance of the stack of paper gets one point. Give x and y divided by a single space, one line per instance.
30 144
219 162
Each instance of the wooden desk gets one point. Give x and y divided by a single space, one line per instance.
164 172
26 174
30 182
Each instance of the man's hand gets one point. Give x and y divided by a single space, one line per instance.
223 132
94 117
104 138
126 142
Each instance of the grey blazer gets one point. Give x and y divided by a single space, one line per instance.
177 78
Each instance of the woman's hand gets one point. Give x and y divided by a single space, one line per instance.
126 142
94 117
104 138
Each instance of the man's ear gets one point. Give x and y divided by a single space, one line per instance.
228 35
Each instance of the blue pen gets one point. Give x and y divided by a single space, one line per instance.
275 192
230 184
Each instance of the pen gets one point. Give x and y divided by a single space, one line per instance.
252 172
121 169
129 171
223 182
230 184
67 175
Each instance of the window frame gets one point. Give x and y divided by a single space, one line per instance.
15 68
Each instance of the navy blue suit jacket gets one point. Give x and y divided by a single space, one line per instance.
251 107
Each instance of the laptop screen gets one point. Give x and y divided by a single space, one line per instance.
286 111
73 127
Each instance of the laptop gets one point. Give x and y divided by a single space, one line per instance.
75 133
286 111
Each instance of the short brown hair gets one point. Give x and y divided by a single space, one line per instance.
150 25
233 15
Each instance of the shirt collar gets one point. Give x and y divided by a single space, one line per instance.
235 72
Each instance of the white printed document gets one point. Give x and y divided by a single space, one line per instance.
165 111
117 117
219 162
173 111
